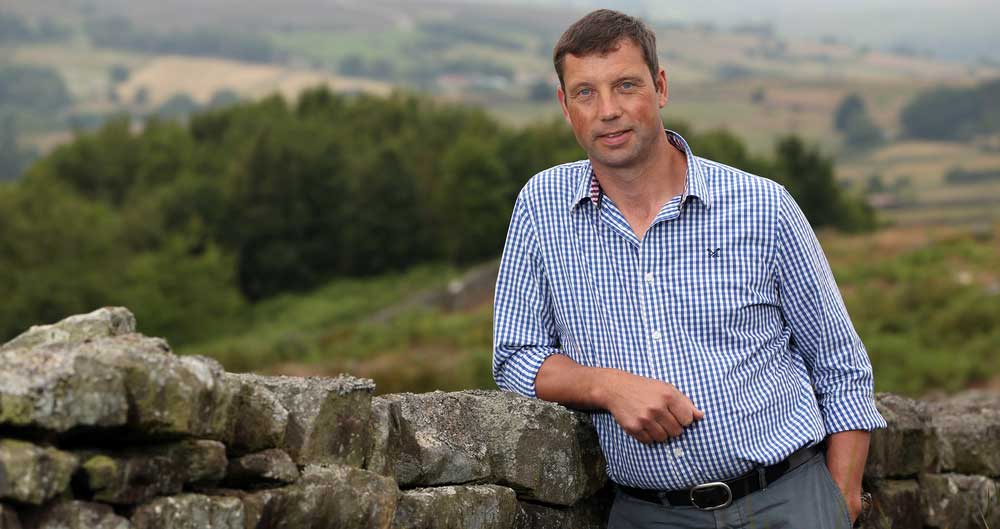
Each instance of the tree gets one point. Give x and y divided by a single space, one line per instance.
118 73
851 118
223 98
12 158
178 106
352 65
849 108
58 251
385 230
478 191
33 88
141 96
541 91
808 176
941 114
283 211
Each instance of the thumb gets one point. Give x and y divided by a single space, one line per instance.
698 414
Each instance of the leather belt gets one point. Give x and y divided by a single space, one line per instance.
719 494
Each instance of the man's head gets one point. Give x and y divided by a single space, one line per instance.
611 90
601 32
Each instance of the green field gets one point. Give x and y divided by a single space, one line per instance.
370 328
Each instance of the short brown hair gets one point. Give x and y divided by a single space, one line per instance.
601 32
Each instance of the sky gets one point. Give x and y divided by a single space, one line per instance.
962 30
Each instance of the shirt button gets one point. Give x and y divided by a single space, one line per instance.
649 277
657 335
678 452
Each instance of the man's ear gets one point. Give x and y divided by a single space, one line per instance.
561 96
662 90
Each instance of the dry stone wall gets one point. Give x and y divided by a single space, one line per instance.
101 427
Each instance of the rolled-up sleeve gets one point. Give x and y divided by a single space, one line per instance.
523 326
821 330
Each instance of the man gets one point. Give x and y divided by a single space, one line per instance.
688 305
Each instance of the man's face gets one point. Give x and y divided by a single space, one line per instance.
613 105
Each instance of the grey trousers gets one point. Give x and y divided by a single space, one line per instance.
805 498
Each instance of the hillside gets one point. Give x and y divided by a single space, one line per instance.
117 56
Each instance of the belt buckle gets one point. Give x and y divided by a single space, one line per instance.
711 486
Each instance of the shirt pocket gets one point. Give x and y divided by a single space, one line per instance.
725 294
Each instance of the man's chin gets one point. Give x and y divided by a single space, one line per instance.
614 161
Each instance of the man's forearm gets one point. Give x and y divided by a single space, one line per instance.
846 453
648 409
562 380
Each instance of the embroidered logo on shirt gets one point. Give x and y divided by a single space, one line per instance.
713 253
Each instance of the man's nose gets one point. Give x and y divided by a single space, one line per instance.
609 108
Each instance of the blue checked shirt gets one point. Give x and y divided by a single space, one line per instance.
728 297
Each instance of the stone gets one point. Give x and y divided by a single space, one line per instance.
325 497
265 467
590 514
190 511
72 514
385 431
262 418
543 451
895 503
329 419
141 473
906 448
52 388
954 501
101 323
111 381
967 427
9 518
33 474
170 395
458 507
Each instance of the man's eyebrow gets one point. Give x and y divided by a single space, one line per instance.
629 77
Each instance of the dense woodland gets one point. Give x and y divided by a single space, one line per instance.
185 222
954 114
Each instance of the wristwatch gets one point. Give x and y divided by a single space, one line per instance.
866 508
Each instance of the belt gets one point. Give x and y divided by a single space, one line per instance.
719 494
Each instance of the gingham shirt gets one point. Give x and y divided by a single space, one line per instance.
728 297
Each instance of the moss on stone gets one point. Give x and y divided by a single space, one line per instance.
102 472
33 474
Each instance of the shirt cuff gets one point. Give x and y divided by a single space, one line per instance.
519 372
851 411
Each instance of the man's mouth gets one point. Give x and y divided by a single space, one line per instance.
614 134
614 138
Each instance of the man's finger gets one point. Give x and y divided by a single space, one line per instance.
684 414
696 414
643 437
670 424
656 432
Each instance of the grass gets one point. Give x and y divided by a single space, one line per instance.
330 47
336 329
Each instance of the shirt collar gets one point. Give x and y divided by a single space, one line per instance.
694 185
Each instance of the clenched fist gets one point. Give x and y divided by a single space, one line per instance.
648 409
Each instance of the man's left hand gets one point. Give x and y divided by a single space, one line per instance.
852 496
846 453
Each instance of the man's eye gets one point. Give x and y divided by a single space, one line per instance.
584 92
627 85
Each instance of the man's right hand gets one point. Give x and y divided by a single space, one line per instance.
648 409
